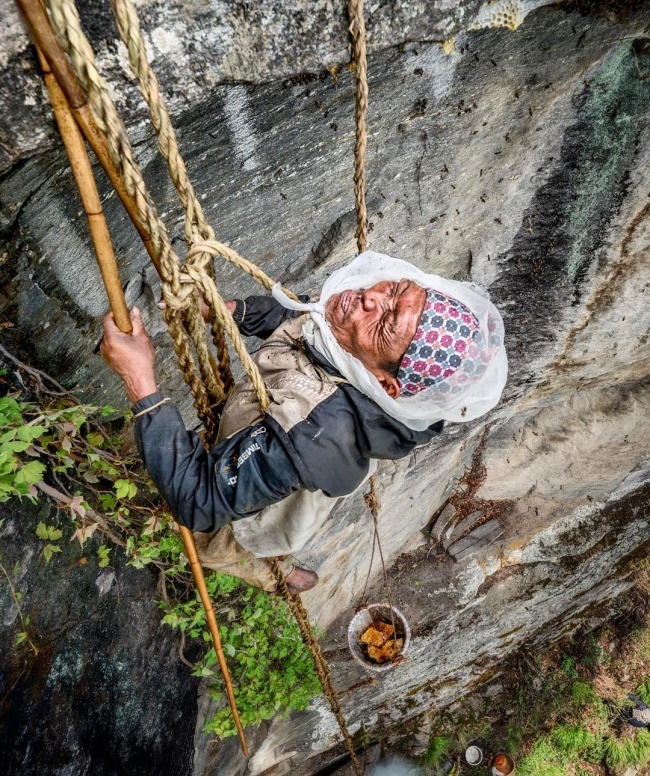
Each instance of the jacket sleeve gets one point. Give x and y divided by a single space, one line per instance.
263 315
206 490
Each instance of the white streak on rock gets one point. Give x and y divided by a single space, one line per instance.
236 107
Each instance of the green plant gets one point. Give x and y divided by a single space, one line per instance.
545 759
568 666
271 668
17 473
643 691
623 752
22 637
437 751
583 693
573 739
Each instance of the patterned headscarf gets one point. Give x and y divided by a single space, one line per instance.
445 342
466 392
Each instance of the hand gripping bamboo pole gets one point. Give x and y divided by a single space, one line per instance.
43 36
50 51
82 172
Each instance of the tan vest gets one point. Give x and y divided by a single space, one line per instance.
296 386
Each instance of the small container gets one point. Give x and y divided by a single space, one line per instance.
502 765
362 620
474 755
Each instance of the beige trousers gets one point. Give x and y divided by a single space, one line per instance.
221 552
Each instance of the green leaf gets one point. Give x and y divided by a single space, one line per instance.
125 488
41 531
103 553
30 433
95 439
49 550
108 501
16 447
30 473
48 532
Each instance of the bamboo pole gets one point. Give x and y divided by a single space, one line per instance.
82 172
83 175
43 36
195 565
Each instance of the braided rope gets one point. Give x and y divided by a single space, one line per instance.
67 26
178 284
128 26
320 664
358 35
196 226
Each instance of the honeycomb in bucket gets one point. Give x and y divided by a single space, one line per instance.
381 647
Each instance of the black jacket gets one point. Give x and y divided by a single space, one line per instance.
262 464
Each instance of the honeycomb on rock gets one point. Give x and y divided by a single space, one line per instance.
502 13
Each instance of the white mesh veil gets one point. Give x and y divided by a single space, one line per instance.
457 402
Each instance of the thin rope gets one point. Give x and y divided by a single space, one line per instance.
373 504
358 35
323 671
364 599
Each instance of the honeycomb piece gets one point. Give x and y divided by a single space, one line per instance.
503 13
392 648
375 653
377 634
389 651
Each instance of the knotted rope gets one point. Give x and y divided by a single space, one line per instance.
180 284
66 23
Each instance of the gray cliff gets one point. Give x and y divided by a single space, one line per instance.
519 160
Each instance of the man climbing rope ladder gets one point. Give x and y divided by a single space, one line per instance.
371 371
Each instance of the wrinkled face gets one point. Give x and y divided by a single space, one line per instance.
377 324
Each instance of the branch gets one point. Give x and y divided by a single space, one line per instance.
64 500
181 652
20 612
39 376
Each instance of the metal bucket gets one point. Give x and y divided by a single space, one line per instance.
362 620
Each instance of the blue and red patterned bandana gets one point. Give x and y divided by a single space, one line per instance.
446 339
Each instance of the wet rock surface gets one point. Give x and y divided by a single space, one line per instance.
106 693
519 162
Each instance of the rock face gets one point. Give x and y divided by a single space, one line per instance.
196 45
106 694
519 162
